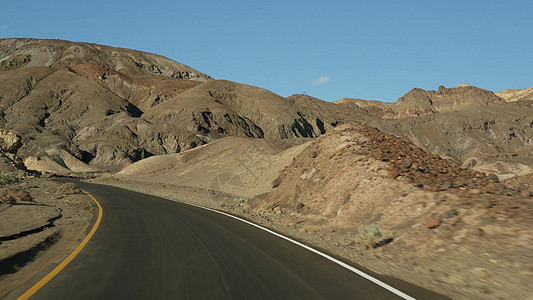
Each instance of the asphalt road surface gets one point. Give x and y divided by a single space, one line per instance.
151 248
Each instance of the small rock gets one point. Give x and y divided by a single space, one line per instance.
477 232
486 203
433 223
525 194
393 175
313 154
475 191
407 163
300 205
481 273
452 212
493 177
447 184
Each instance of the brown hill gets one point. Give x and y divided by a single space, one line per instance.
419 102
239 166
109 107
495 138
415 209
28 53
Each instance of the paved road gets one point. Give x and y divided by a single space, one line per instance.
151 248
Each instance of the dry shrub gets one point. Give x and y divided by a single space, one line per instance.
13 195
69 189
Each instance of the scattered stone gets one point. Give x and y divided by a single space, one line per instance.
313 154
300 205
407 163
493 177
447 184
451 213
393 175
487 203
525 194
433 223
276 182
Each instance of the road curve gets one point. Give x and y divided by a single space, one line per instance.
151 248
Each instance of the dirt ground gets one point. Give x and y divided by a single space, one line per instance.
36 235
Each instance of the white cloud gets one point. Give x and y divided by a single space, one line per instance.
322 79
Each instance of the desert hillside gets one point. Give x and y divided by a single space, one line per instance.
418 102
109 107
239 166
512 95
85 108
452 225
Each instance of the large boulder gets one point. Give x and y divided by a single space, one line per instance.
10 142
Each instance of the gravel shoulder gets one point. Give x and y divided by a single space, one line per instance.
36 235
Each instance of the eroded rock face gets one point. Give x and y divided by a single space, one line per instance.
10 142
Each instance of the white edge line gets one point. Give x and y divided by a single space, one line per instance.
342 264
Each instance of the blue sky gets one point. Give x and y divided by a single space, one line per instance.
326 49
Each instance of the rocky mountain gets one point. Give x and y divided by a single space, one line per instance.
496 138
83 107
471 126
28 53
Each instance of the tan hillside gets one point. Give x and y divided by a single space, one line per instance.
28 53
109 107
419 102
237 165
512 95
456 228
495 138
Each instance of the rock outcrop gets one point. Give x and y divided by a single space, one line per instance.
10 142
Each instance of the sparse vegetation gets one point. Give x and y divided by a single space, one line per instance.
238 201
10 195
369 236
271 206
8 178
69 189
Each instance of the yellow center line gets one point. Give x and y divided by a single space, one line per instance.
63 264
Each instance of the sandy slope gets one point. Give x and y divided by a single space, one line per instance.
237 165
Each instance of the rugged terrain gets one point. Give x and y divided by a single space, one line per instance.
371 198
414 189
86 108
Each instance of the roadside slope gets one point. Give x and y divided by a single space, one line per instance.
454 230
